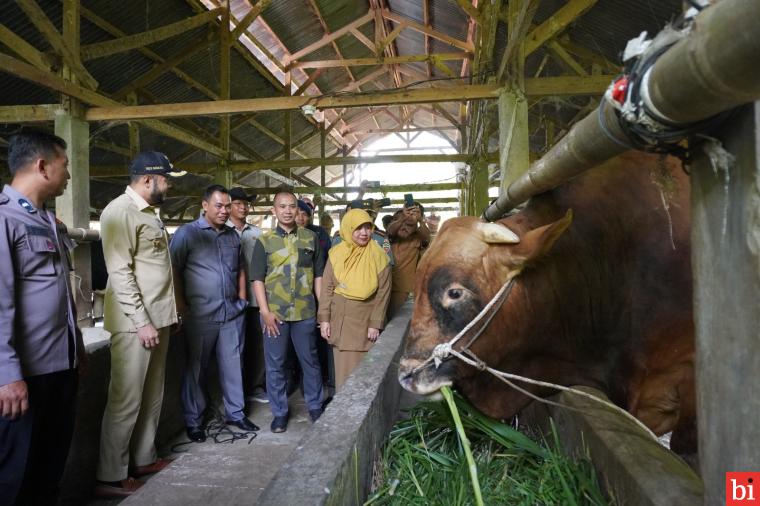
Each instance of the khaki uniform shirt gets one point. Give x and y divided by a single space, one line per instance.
287 263
350 319
140 287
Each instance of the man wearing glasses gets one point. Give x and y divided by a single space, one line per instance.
254 374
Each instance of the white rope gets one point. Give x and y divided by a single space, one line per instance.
504 376
445 350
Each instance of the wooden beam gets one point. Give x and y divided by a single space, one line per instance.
25 50
382 60
391 37
210 108
410 23
426 23
109 47
116 32
161 68
246 166
28 113
382 189
10 65
224 76
372 76
327 39
54 38
518 27
471 11
557 23
564 58
537 87
364 39
249 18
313 77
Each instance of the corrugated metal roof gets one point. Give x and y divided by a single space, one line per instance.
285 27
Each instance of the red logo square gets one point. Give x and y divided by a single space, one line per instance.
743 489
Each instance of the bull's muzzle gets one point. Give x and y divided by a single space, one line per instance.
424 380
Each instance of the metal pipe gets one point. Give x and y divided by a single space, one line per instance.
83 234
713 69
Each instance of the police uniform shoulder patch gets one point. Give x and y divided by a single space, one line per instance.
27 206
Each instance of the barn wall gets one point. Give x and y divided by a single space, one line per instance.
334 463
726 263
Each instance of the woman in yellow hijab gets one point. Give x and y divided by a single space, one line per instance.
355 293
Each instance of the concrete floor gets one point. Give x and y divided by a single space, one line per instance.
223 473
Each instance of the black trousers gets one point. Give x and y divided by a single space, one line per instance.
34 447
254 373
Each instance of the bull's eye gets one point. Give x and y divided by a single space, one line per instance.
454 293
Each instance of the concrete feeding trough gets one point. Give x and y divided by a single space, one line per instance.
334 462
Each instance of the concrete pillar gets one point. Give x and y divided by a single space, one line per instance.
726 262
514 149
223 175
73 207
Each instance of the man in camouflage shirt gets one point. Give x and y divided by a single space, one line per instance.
286 271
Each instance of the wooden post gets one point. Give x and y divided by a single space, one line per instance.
134 129
514 150
477 199
322 168
726 263
224 77
344 151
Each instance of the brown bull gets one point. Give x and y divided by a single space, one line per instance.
602 297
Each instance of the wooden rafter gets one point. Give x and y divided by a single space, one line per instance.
427 30
249 18
468 8
116 32
327 39
160 69
129 42
426 22
25 50
383 60
546 86
372 76
242 167
557 23
54 38
305 85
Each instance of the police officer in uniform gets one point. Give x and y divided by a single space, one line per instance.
39 340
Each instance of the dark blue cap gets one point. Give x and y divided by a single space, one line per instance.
303 206
153 162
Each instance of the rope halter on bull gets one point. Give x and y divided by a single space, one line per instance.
445 351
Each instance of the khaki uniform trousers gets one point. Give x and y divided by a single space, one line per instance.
345 363
135 395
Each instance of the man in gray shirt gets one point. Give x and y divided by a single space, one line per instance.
254 374
211 280
40 344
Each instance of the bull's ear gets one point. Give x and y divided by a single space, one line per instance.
496 233
538 242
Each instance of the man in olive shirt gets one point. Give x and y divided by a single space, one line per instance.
139 310
286 271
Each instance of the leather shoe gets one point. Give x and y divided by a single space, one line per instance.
279 424
153 468
123 488
244 424
196 433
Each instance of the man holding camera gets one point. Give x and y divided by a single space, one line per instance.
409 236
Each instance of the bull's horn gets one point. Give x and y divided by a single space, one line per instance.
495 233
